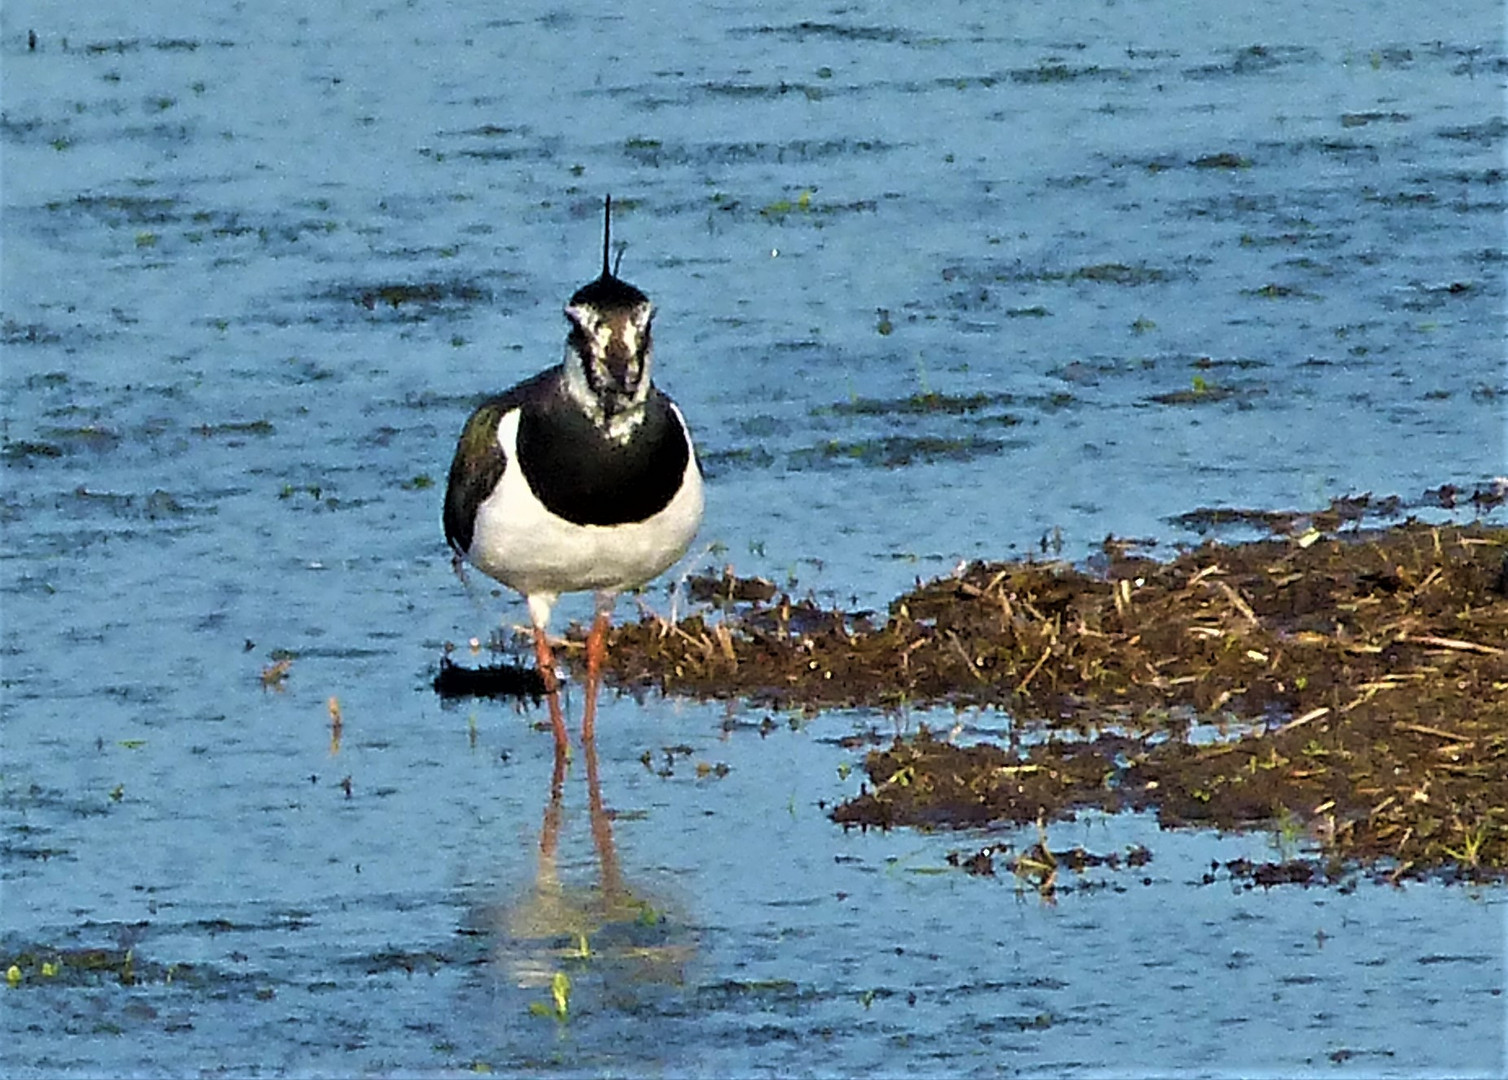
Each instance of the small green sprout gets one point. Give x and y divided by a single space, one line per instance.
560 993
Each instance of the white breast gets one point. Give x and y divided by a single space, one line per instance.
520 543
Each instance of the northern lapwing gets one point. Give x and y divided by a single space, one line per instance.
582 478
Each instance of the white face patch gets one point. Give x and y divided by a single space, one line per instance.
584 317
607 364
598 333
630 333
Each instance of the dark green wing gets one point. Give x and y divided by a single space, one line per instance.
480 461
475 471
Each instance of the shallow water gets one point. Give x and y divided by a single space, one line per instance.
223 441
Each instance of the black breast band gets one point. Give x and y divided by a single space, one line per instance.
581 475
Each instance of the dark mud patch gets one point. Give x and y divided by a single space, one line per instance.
1350 688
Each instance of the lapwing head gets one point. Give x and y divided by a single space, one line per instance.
609 349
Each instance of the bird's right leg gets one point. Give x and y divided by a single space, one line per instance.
544 657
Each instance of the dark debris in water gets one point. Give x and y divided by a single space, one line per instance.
1255 60
895 451
45 965
1203 392
1222 160
1042 869
426 294
488 680
14 333
805 30
1346 510
653 153
26 451
930 403
1268 874
727 589
1112 273
1361 681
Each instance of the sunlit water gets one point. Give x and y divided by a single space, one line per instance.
223 442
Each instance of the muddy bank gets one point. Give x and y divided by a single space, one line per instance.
1350 686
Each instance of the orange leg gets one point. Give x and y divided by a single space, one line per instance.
596 653
546 661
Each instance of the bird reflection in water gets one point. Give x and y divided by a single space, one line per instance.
606 932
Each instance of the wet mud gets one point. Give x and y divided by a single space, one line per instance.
1349 686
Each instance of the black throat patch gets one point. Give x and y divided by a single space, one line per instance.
581 475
